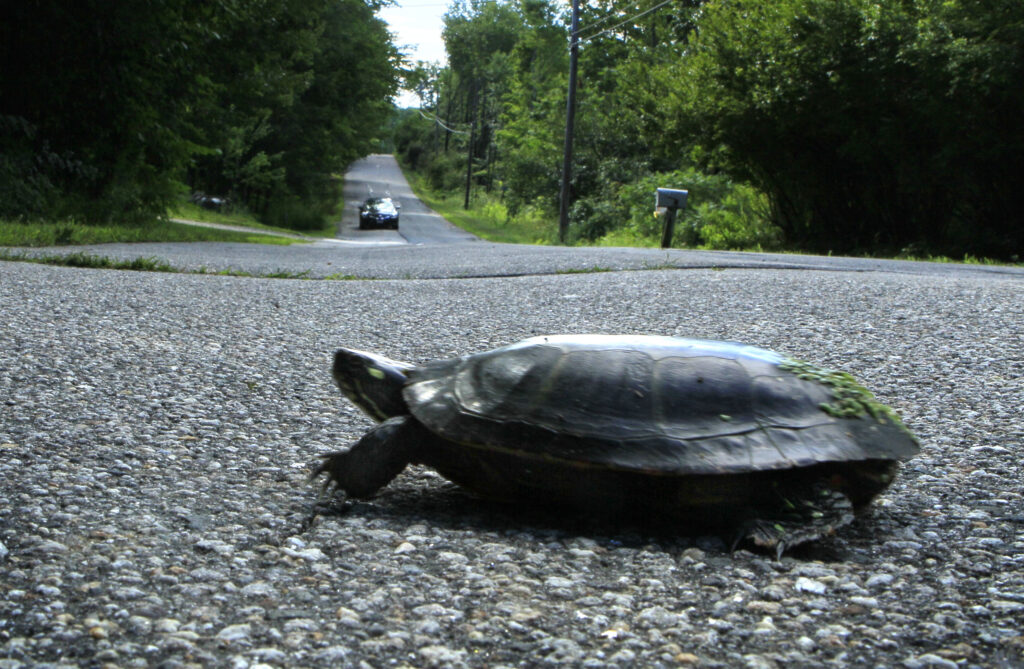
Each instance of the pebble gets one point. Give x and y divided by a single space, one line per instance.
274 655
234 633
929 660
804 584
442 656
259 589
879 580
332 654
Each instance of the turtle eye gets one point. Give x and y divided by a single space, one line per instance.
376 373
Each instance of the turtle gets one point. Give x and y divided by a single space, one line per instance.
697 433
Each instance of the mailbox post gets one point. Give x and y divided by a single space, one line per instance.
670 200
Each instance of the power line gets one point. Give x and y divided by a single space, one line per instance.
441 123
595 23
617 25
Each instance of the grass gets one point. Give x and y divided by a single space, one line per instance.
486 218
597 269
968 259
70 233
153 264
92 261
193 212
627 237
36 234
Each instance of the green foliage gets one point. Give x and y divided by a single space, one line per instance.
738 220
871 124
445 172
60 233
25 187
720 214
861 126
507 76
114 105
411 137
488 217
291 211
530 142
105 89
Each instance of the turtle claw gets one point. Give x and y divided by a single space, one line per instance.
763 534
819 514
329 486
322 467
373 461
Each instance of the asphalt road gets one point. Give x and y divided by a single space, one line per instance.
157 432
379 176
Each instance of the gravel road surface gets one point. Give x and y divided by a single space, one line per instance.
336 259
157 432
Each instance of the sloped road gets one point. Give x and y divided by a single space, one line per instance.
379 176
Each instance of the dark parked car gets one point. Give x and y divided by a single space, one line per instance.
210 202
378 212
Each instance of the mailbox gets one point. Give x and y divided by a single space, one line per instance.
671 198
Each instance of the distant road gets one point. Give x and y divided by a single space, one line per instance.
428 247
378 175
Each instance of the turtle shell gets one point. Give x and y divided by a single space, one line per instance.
654 404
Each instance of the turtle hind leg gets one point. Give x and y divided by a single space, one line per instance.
815 514
373 461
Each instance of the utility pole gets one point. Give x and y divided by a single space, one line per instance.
469 162
570 123
469 151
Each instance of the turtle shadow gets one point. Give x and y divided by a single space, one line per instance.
448 507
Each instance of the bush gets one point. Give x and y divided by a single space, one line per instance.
737 221
446 171
25 189
719 213
593 217
295 213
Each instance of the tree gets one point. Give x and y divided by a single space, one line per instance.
114 105
871 124
338 116
103 92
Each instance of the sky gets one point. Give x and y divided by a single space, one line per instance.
417 27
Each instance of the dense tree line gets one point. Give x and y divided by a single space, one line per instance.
864 125
111 110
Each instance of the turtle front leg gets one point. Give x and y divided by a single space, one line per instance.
373 461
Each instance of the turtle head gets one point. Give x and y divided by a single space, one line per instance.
374 383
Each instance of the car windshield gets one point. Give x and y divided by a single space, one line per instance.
380 204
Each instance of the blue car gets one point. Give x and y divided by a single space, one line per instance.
378 212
